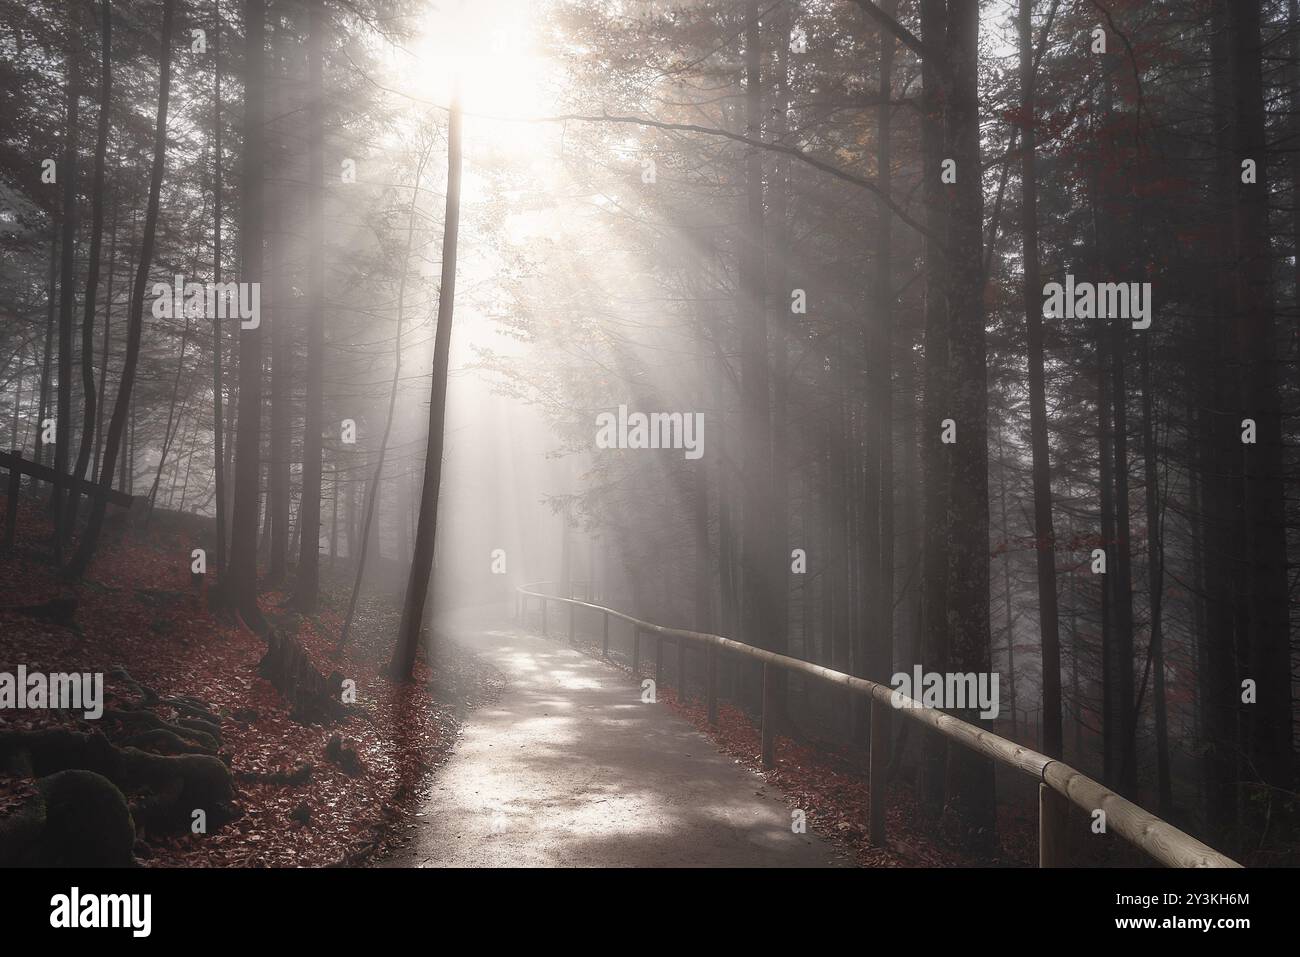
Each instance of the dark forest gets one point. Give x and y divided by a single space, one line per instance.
594 433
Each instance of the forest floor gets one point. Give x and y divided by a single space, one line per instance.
138 612
556 759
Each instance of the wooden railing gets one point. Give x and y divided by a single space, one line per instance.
18 467
1059 785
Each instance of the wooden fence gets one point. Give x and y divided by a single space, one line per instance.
1059 785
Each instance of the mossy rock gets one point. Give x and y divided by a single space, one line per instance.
87 822
176 785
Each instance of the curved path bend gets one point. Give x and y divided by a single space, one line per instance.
568 768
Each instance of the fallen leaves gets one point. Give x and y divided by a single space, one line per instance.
139 611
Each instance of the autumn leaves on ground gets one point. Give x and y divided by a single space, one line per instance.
180 679
302 794
319 793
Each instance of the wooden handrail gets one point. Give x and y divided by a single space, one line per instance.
1160 839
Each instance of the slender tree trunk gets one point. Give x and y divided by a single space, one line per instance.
1217 460
308 581
92 281
242 573
408 634
1155 582
49 349
970 793
1112 709
169 433
936 405
1119 544
16 440
1006 583
1044 530
280 442
108 343
135 320
126 480
880 653
67 291
373 496
218 343
353 545
757 624
334 522
778 566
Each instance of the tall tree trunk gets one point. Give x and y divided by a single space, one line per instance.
970 794
1112 708
108 342
281 439
242 576
135 320
92 280
218 343
879 502
935 464
1005 536
67 290
169 433
1216 459
1119 578
1044 530
334 522
417 586
126 481
49 348
757 626
778 566
373 488
308 581
1155 581
1268 722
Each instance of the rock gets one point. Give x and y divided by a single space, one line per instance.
87 822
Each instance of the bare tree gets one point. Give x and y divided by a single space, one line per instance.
417 587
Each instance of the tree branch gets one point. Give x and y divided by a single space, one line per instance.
904 35
803 157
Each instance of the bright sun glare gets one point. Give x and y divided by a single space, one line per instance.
485 48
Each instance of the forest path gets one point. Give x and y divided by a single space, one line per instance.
569 768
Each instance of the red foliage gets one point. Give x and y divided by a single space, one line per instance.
138 611
829 783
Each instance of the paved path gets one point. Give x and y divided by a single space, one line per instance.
568 768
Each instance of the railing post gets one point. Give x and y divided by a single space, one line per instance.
572 612
711 682
11 507
636 650
543 601
659 662
879 764
1053 819
769 715
604 636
